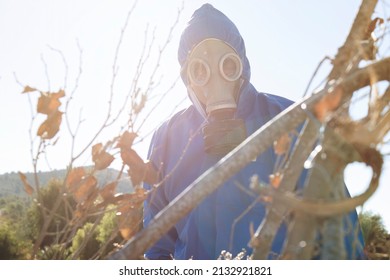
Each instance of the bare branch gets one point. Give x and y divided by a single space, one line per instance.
356 34
46 71
65 64
314 74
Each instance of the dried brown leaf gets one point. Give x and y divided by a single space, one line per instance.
129 220
74 178
282 145
267 199
96 149
103 161
137 170
59 94
108 191
328 104
100 157
126 140
152 175
137 108
27 187
135 198
50 127
78 213
275 179
131 158
28 89
141 193
47 104
371 27
85 189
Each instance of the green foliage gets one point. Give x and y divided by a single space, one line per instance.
108 234
13 244
22 219
8 244
14 207
54 252
102 238
50 197
372 227
107 226
84 242
10 247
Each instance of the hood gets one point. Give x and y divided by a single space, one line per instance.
208 22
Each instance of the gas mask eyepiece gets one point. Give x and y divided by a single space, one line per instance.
230 69
214 79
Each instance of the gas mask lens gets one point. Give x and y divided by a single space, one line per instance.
230 67
198 72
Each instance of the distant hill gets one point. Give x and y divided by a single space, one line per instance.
10 183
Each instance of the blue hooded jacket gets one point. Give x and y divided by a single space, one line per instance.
222 221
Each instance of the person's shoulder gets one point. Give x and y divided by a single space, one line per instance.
277 100
187 115
254 103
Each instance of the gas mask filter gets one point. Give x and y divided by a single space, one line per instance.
214 80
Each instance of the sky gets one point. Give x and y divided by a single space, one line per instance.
45 44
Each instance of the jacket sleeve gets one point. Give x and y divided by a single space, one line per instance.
156 201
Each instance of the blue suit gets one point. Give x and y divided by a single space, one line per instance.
222 221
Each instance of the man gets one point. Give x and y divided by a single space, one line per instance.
226 109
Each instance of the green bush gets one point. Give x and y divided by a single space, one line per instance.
85 244
372 227
54 252
9 245
35 218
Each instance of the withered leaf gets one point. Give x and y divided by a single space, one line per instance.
103 161
74 178
328 104
126 233
137 108
59 94
96 149
126 198
137 166
126 140
101 158
275 179
50 127
131 158
48 104
371 27
129 220
108 191
152 175
282 145
141 193
78 214
27 187
28 89
85 189
267 199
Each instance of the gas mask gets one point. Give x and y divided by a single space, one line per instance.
214 79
